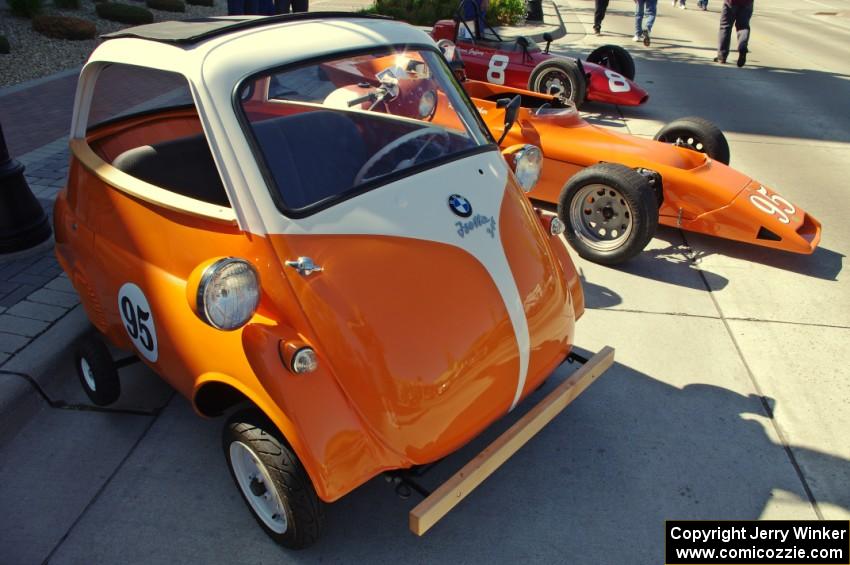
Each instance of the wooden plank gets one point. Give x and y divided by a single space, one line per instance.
449 494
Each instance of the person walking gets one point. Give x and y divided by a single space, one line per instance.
702 5
291 6
680 3
644 7
599 15
737 12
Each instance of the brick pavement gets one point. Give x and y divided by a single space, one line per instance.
34 293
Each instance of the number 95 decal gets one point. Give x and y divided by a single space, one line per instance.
138 320
773 204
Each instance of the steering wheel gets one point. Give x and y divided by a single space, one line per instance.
394 145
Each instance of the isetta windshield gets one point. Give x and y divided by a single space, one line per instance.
331 129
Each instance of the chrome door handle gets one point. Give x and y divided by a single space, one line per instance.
305 266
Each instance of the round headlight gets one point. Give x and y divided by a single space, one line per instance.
304 361
528 162
228 293
427 104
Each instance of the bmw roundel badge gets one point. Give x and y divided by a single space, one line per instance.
460 205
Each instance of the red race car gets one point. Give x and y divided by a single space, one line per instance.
606 76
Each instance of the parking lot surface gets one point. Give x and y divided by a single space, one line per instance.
730 397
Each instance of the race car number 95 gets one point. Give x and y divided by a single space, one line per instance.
138 320
773 204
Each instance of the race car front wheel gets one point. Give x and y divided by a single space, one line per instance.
561 78
272 480
697 134
615 58
610 212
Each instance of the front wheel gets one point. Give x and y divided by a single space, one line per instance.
96 370
610 212
562 78
272 480
697 134
615 58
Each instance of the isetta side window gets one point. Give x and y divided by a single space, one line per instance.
144 122
334 128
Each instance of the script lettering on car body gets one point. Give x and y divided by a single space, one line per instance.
477 221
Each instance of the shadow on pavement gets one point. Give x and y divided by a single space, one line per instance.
630 453
823 264
598 296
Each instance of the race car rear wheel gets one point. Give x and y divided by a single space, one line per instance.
610 212
272 480
615 58
560 77
697 134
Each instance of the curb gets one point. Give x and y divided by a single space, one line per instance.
6 90
22 398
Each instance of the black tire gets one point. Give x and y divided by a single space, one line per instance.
96 370
697 134
615 58
304 512
610 212
565 72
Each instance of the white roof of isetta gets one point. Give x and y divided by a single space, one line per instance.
215 66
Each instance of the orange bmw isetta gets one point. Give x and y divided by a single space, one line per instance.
354 276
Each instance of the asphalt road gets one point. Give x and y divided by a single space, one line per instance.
730 398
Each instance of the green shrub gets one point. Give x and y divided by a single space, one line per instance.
124 13
25 8
67 4
167 5
417 12
201 2
506 12
4 45
64 27
426 12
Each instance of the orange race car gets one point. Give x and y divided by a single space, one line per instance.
612 190
362 291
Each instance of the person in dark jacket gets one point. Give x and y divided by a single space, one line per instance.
291 6
599 15
736 12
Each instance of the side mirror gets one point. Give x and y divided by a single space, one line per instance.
511 106
547 37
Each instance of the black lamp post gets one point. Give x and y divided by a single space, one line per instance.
23 223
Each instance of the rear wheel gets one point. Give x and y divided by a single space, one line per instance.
560 77
697 134
615 58
610 212
272 480
97 371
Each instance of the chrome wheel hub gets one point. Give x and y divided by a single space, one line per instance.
601 217
257 487
555 83
88 375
